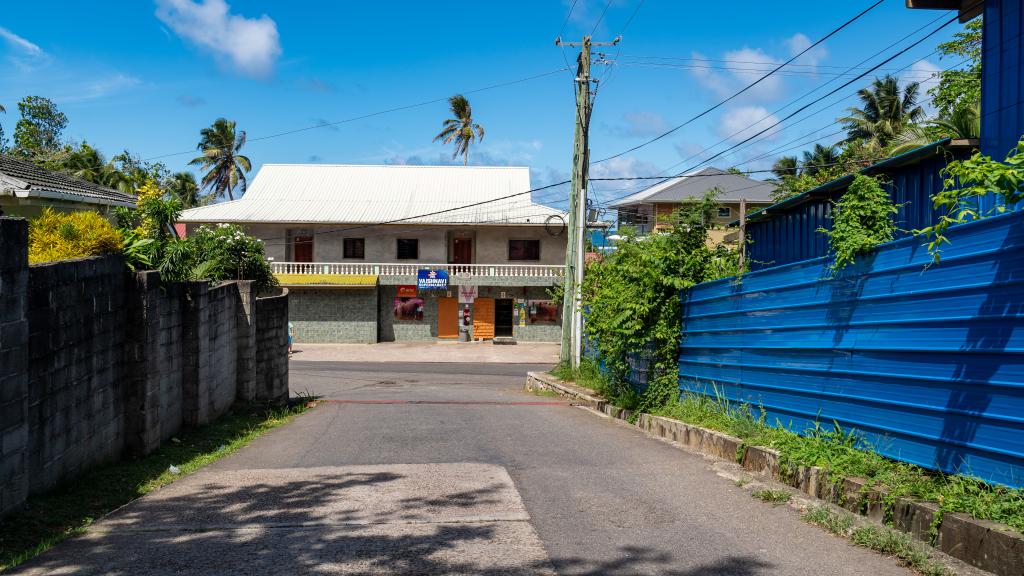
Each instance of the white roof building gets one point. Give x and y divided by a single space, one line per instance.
361 194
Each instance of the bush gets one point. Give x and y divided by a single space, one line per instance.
60 236
862 219
222 253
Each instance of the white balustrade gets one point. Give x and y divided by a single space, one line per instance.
403 269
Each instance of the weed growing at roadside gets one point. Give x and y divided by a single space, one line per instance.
835 523
545 392
741 482
773 496
899 546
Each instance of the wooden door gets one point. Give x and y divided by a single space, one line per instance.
302 249
483 318
462 251
447 317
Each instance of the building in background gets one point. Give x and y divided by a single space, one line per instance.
26 189
651 208
386 253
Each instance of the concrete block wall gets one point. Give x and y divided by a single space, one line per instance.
97 363
13 364
271 374
334 314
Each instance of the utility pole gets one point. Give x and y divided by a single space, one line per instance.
572 315
743 233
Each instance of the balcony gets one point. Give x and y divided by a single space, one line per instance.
363 273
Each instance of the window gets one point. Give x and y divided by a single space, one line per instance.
724 212
354 248
408 249
524 249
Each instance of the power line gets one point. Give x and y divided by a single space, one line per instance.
567 16
601 17
747 87
380 112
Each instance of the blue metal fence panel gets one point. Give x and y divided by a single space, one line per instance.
927 363
1002 90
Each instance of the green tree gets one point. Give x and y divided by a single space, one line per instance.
461 129
225 167
786 166
40 127
3 138
885 111
964 122
137 172
960 88
182 185
819 159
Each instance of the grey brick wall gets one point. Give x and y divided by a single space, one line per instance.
334 315
271 376
97 363
13 363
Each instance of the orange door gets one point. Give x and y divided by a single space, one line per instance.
483 318
447 318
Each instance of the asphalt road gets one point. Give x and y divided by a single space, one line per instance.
453 469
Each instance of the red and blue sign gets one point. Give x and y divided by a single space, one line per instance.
431 280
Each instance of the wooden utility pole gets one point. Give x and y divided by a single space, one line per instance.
572 317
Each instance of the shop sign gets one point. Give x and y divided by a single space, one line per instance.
467 294
431 280
407 291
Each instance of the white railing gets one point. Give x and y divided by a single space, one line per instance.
492 270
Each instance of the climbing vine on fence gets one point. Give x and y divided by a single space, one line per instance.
632 298
862 219
965 183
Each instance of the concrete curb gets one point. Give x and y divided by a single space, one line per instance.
992 547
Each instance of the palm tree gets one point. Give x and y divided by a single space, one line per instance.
885 112
785 166
963 123
182 185
225 167
819 159
461 128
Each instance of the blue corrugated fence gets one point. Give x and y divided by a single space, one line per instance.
927 363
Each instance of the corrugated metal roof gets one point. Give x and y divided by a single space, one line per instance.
734 187
26 180
358 194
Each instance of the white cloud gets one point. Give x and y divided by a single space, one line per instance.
20 43
746 66
799 42
248 45
640 125
927 75
743 122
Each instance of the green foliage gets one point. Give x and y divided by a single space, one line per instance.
886 109
960 88
965 183
225 167
632 297
862 219
844 454
460 128
40 126
836 523
225 252
900 546
60 236
773 496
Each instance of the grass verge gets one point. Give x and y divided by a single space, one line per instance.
910 553
49 518
773 496
844 454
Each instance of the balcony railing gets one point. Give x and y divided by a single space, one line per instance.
473 270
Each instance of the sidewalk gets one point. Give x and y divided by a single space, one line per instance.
464 352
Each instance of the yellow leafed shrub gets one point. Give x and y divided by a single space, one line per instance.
61 236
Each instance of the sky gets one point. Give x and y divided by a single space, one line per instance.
148 75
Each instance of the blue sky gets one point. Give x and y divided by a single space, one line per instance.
147 75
